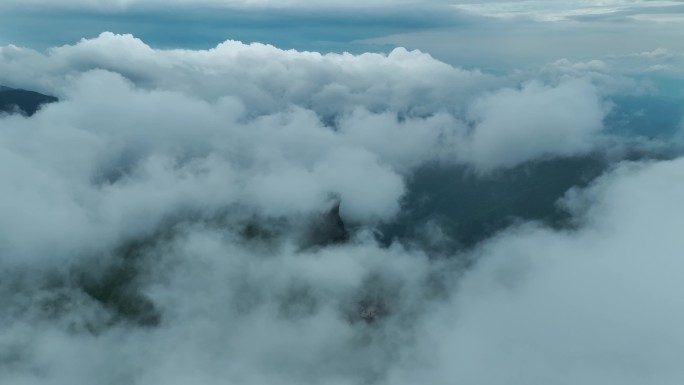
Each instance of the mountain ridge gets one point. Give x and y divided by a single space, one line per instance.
25 102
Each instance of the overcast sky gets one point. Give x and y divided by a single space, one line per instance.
466 33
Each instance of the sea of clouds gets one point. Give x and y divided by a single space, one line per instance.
152 221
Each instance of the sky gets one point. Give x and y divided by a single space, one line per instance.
369 192
466 33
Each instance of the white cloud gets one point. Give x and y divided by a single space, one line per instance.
265 80
514 126
263 77
594 306
554 11
148 173
143 134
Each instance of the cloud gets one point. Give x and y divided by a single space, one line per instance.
530 33
610 76
264 77
514 126
153 218
144 134
360 94
122 158
259 4
658 61
558 11
598 305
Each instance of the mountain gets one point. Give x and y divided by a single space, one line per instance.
22 101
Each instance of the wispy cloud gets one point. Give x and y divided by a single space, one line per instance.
565 10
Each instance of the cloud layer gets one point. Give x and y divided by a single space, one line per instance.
125 4
553 11
153 217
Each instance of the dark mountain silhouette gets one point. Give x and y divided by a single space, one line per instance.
328 229
449 208
468 208
22 101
